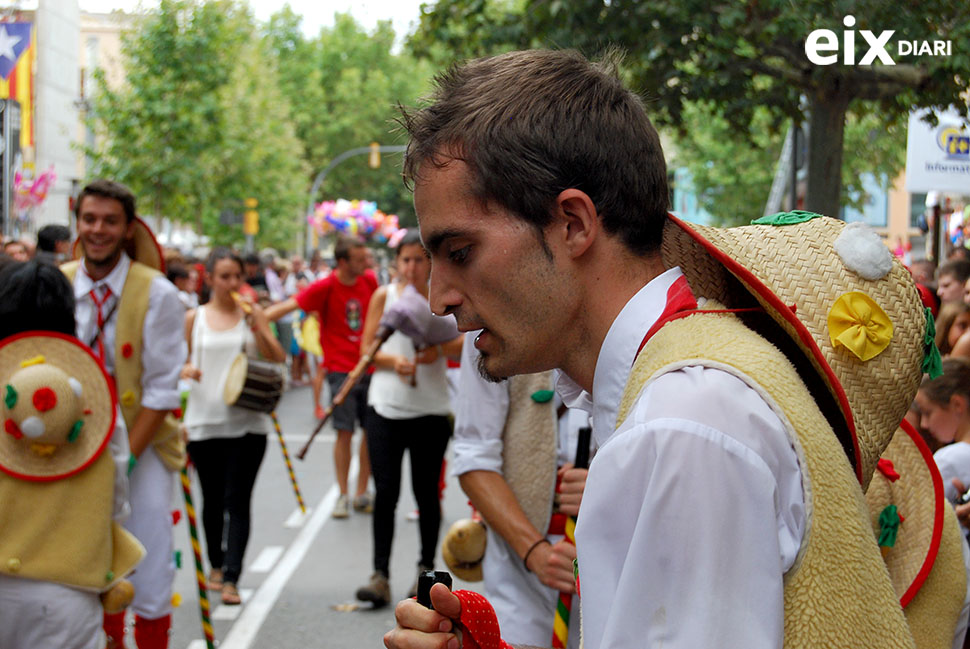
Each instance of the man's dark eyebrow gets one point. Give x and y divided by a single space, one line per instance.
438 238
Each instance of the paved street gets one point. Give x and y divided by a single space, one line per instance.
301 572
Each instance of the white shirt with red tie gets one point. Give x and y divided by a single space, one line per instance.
164 348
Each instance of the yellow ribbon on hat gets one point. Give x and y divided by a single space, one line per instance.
860 325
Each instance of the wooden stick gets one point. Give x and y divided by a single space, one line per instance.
383 333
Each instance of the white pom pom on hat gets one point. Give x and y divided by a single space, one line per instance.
863 252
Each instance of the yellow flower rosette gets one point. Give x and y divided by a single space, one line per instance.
860 325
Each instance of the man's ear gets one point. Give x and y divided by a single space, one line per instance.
130 233
577 220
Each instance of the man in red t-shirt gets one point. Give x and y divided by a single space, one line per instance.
340 301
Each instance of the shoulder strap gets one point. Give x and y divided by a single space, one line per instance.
196 335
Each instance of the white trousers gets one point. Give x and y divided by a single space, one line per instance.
45 615
150 492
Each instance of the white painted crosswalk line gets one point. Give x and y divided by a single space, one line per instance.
197 644
298 518
266 559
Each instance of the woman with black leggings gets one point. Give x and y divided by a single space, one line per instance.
226 443
408 410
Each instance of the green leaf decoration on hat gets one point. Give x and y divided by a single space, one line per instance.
932 361
542 396
10 400
888 526
786 218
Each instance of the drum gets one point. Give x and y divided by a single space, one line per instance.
252 384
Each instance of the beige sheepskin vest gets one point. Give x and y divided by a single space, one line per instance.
529 447
838 592
62 532
127 354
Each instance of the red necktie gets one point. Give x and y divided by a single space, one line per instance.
105 294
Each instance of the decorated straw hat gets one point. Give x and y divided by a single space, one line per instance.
142 247
834 299
906 504
58 406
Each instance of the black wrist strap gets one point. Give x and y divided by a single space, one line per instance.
525 559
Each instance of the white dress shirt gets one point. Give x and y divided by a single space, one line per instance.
953 461
523 605
693 509
163 335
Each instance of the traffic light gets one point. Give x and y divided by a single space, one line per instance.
251 217
374 161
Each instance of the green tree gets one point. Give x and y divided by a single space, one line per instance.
260 157
741 55
732 171
160 127
345 86
199 123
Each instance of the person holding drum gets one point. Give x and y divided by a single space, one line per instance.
408 408
226 442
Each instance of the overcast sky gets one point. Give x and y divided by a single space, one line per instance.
316 13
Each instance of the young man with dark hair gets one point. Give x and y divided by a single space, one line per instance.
541 193
54 239
340 301
952 276
130 315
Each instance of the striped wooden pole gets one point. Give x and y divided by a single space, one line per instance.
197 551
289 464
210 639
560 624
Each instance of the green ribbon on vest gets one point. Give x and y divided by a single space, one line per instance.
542 396
786 218
932 361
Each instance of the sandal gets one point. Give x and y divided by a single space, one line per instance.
215 580
230 594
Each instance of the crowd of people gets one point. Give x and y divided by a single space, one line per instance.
719 508
168 340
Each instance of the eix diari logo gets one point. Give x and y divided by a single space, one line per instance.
826 40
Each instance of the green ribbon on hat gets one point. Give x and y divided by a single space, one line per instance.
11 399
932 360
786 218
888 526
75 431
542 396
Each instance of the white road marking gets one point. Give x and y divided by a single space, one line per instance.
266 559
298 518
247 625
197 644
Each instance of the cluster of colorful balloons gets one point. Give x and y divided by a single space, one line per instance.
360 218
29 193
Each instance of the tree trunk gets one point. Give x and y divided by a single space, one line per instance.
825 140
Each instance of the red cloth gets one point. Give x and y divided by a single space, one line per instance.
481 625
342 310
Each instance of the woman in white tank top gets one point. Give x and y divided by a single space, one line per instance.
408 409
226 443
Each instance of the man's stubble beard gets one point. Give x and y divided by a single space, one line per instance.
488 376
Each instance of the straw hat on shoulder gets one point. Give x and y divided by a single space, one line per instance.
839 305
58 408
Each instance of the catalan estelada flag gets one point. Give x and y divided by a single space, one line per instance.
17 57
